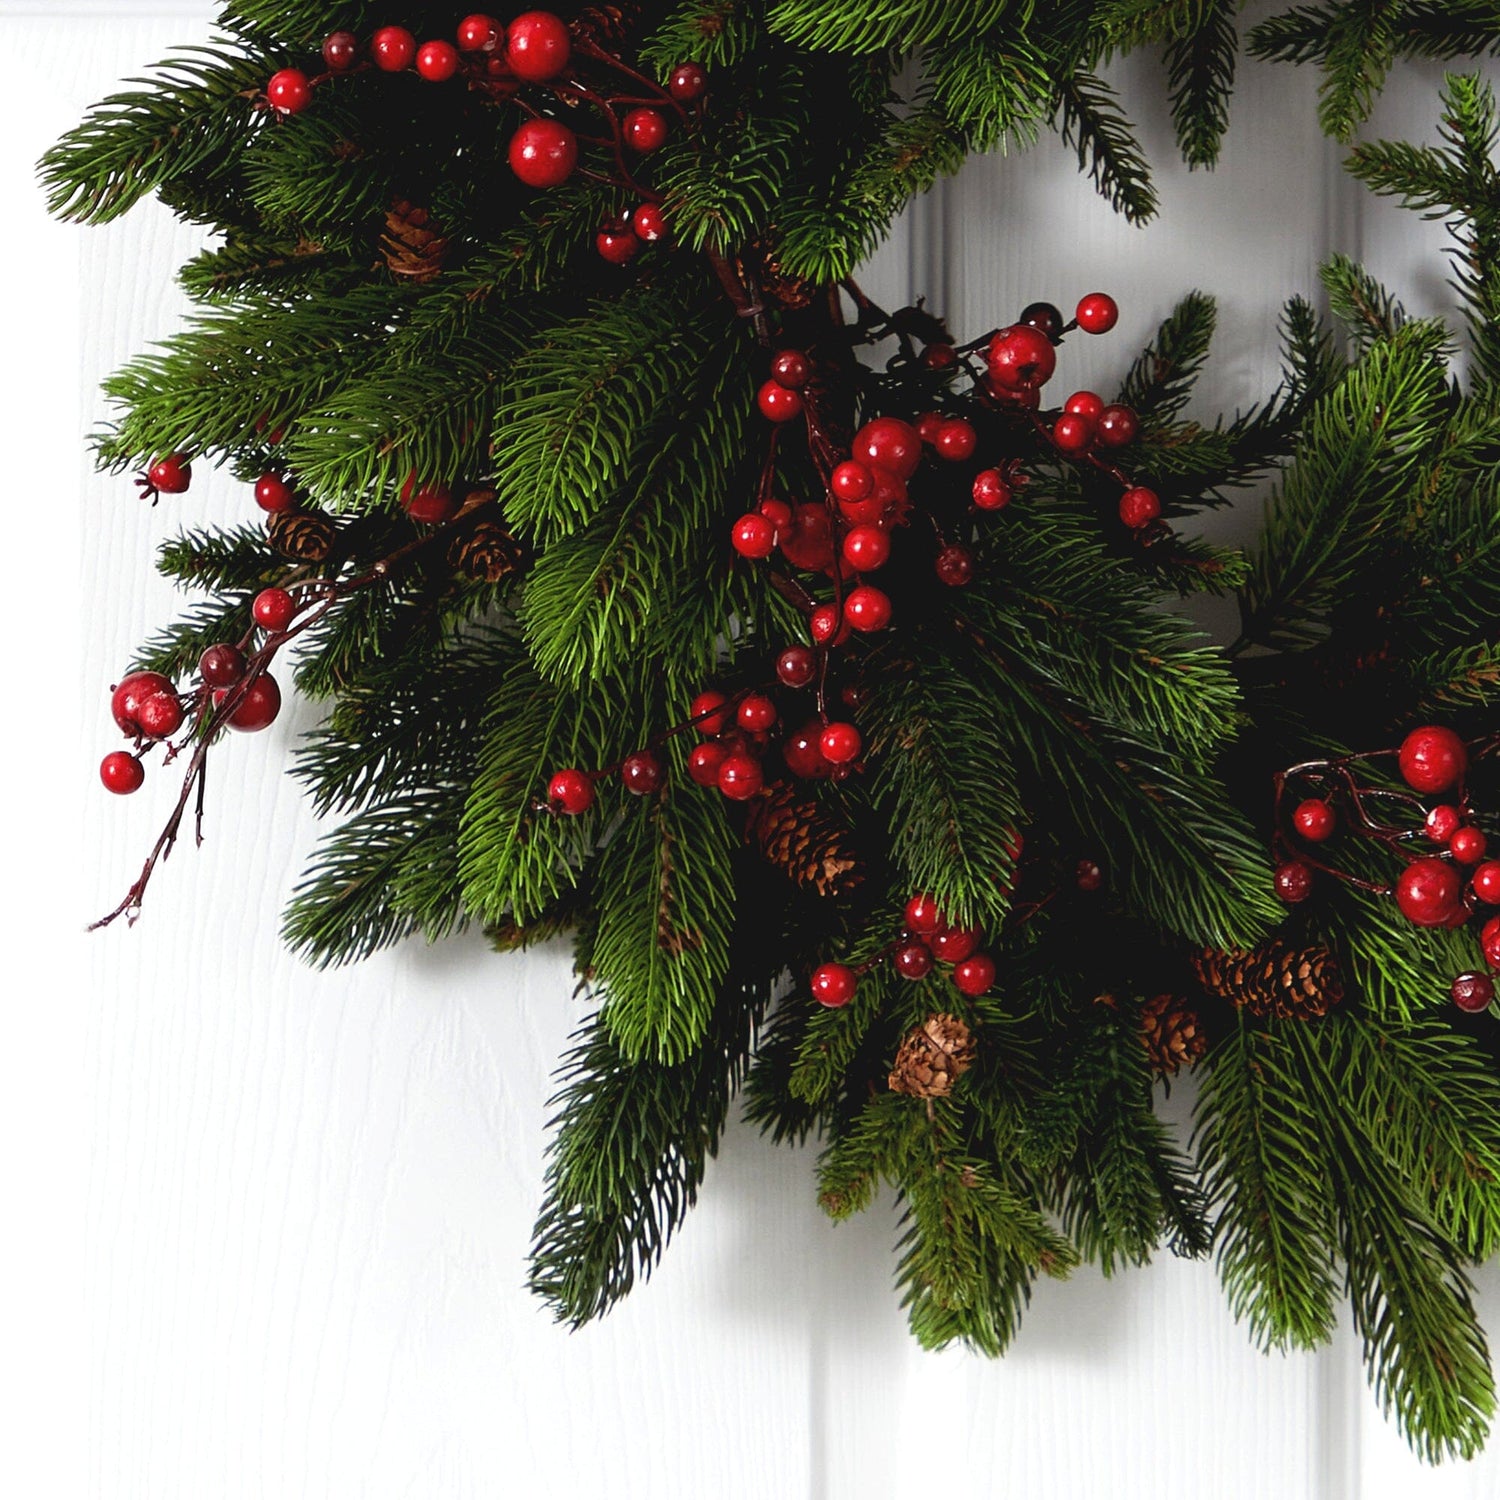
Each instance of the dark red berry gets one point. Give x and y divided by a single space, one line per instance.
543 153
429 504
777 512
1045 318
273 609
259 706
570 792
753 536
1293 881
1139 507
939 357
923 916
866 548
687 82
1489 942
990 490
392 48
274 494
705 760
1314 819
954 944
121 773
803 752
1442 823
1088 875
954 566
791 367
756 713
479 33
912 960
1116 426
126 700
340 51
1020 358
867 608
840 743
1432 759
740 776
1486 882
222 665
538 46
289 92
850 481
171 475
437 62
834 984
1072 433
644 129
827 627
1085 404
889 443
649 222
975 975
160 715
1097 313
928 424
1468 845
1429 892
808 542
1472 992
709 713
616 242
778 403
796 667
642 773
956 440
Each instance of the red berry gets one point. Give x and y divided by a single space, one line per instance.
1432 759
642 773
928 424
777 512
1085 404
990 490
1088 875
913 960
437 62
289 92
274 494
709 713
850 481
753 536
954 566
975 975
222 665
923 916
740 776
778 403
687 82
1428 892
954 944
956 440
543 153
1293 881
1314 819
1472 992
570 792
866 548
616 243
171 475
259 706
791 367
889 443
867 608
827 626
1072 434
834 984
160 715
393 48
1045 318
796 667
649 222
704 762
1097 313
1028 399
340 51
1021 358
121 773
1442 823
429 504
1139 507
803 752
644 129
1486 882
273 609
126 700
539 46
808 542
479 33
1468 844
840 743
1489 942
939 357
1116 426
756 713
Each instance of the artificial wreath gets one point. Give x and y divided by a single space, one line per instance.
813 666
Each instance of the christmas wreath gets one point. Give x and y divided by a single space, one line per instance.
814 667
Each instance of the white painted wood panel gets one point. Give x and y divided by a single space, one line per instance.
296 1266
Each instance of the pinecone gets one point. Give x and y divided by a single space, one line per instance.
759 267
1275 979
413 248
302 535
486 552
1172 1033
796 834
932 1057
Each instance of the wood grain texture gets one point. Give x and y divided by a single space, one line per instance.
309 1194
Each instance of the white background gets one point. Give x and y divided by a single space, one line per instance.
265 1227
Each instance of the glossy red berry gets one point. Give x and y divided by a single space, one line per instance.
1428 892
791 367
1314 819
644 129
1088 875
1116 426
392 48
922 915
1021 358
1045 318
796 667
1097 313
649 222
840 743
259 706
939 357
975 975
570 792
704 762
827 626
1139 507
778 403
753 536
340 51
1472 992
834 984
777 512
808 542
274 494
866 548
991 492
928 424
1442 822
543 153
709 713
222 665
429 504
756 713
437 61
1489 942
616 242
121 773
850 481
956 440
954 566
1072 433
1293 881
803 752
479 33
1468 845
913 960
1085 404
867 608
160 715
889 443
273 609
1432 759
642 772
1486 882
538 46
687 82
289 91
133 690
171 475
954 944
740 776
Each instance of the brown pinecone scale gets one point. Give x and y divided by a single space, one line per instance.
412 246
485 552
302 535
1172 1033
1277 978
932 1057
804 841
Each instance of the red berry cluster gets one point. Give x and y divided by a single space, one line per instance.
167 476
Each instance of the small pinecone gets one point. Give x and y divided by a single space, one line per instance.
1173 1035
302 535
803 841
932 1057
413 249
1275 979
760 267
486 552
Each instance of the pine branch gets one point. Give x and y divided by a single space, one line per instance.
1089 119
1200 76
